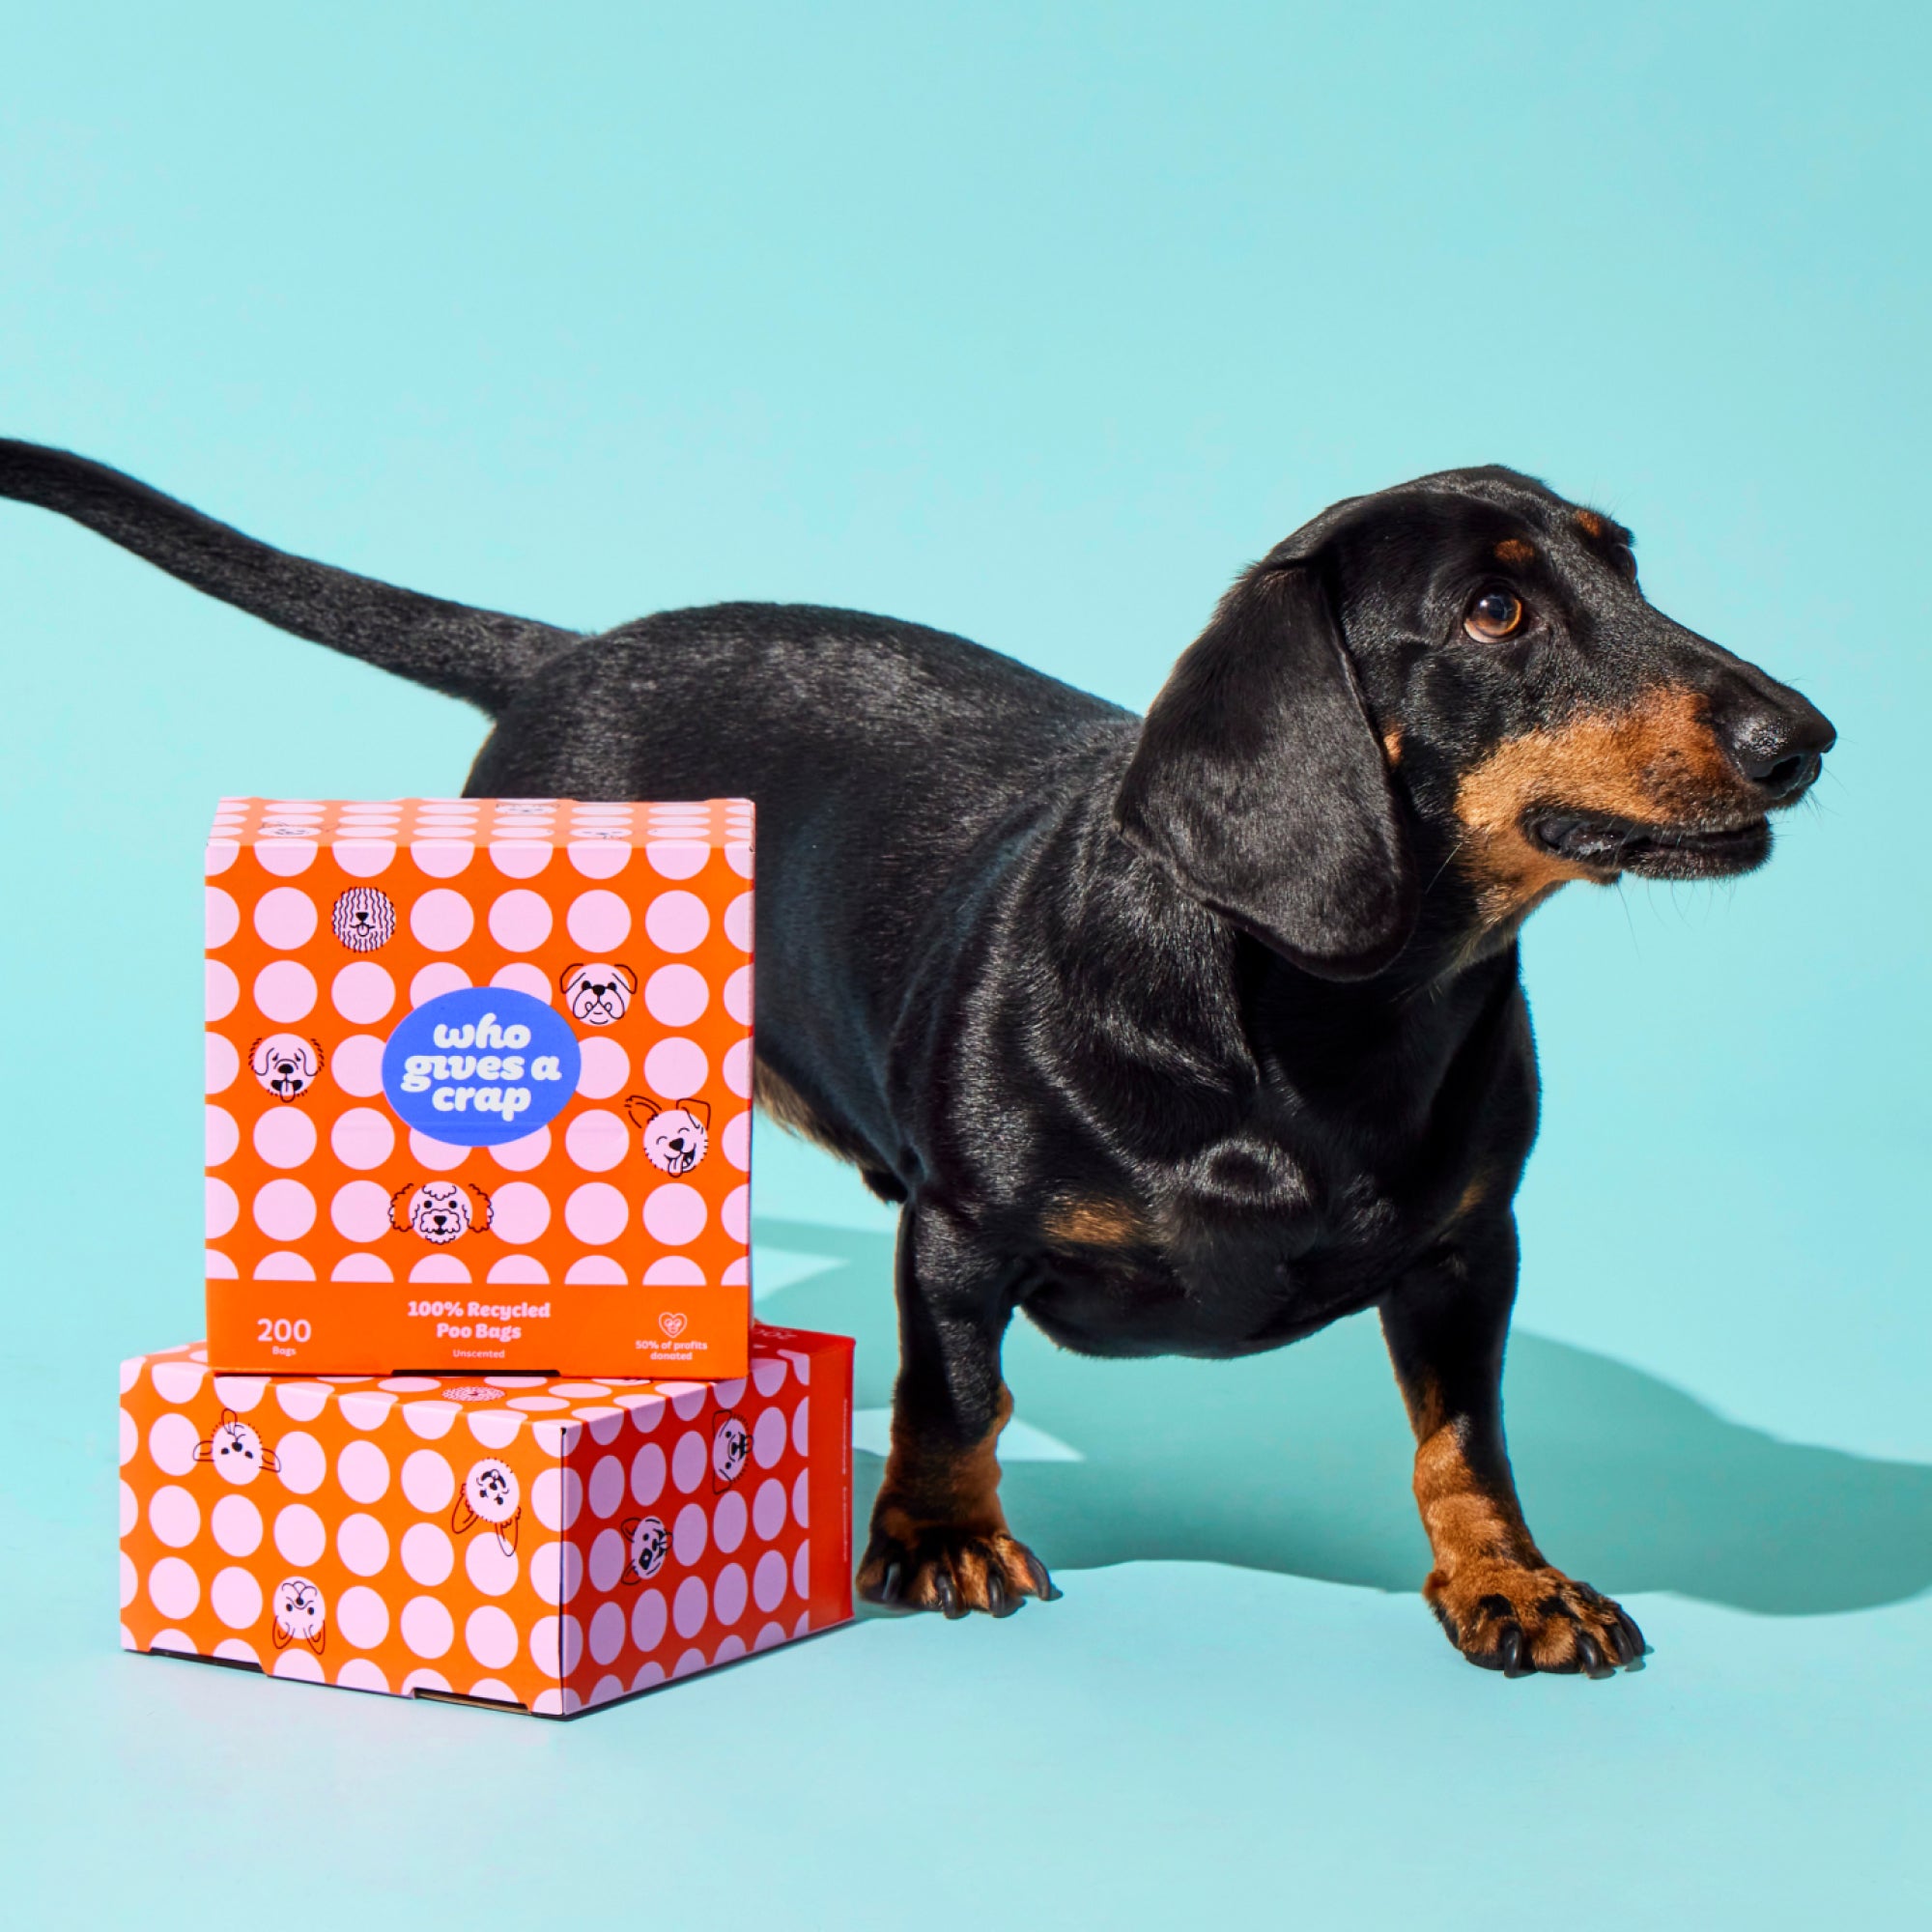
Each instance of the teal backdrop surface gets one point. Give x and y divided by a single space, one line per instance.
1034 323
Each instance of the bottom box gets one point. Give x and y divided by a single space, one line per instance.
522 1541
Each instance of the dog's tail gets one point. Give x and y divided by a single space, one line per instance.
480 656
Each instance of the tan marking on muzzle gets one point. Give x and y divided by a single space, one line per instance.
1655 763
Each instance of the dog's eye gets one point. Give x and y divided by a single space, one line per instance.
1625 560
1494 614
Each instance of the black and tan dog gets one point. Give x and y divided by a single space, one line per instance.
1185 1034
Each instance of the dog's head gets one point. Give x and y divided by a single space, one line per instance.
676 1138
440 1211
363 918
286 1064
598 993
236 1450
730 1450
299 1615
649 1543
491 1494
1439 703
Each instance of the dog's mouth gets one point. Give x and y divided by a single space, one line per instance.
1607 846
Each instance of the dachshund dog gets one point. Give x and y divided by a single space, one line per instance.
1189 1033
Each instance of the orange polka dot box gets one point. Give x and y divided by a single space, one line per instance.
518 1541
479 1085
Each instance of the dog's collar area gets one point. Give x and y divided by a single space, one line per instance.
1608 845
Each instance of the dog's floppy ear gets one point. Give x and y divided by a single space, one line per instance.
484 1210
699 1111
1258 786
568 976
625 974
642 1110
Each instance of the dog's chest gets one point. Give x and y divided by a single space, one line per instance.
1250 1247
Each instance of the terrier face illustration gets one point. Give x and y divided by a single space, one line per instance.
675 1137
491 1494
730 1451
299 1615
650 1545
440 1211
236 1450
363 918
599 993
286 1064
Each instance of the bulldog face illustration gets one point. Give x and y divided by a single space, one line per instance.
286 1064
651 1544
363 918
730 1451
440 1211
490 1494
299 1615
597 994
675 1137
236 1450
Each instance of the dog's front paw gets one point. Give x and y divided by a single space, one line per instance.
943 1567
1512 1618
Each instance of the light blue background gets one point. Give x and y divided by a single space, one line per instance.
1035 324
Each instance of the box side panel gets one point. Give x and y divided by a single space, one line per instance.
695 1537
340 1533
830 1399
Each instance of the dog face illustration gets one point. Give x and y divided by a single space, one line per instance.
491 1494
299 1615
286 1064
440 1211
730 1450
236 1450
599 993
363 918
650 1545
675 1137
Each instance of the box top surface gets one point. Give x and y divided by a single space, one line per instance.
503 824
499 1408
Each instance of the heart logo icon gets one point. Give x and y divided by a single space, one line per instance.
671 1325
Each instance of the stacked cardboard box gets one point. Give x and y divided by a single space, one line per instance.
479 1081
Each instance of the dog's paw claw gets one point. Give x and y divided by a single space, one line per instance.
952 1571
1518 1619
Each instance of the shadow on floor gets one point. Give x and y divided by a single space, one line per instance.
1298 1462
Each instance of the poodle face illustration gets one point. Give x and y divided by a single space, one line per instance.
286 1064
491 1494
363 918
300 1616
471 1392
598 994
651 1544
440 1211
236 1450
730 1451
675 1137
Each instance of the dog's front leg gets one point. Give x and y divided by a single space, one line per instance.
1502 1604
938 1536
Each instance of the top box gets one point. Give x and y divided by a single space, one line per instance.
480 1077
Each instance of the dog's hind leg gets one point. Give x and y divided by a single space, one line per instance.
1503 1604
940 1540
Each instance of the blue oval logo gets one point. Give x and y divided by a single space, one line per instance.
480 1066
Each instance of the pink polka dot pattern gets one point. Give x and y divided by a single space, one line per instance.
415 1537
630 922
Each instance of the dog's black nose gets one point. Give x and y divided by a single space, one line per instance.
1778 746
